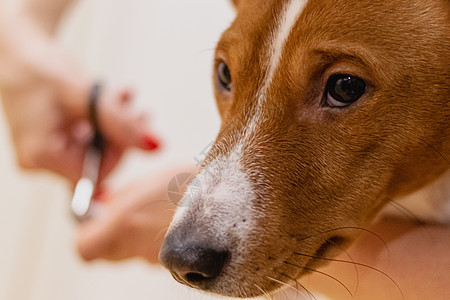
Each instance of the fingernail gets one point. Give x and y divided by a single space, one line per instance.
149 143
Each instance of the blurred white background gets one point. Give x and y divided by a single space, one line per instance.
162 48
165 50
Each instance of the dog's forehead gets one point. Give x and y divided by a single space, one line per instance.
367 22
253 48
268 50
269 46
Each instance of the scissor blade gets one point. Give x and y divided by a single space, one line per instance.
82 197
85 187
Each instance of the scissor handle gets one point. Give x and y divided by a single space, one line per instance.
94 96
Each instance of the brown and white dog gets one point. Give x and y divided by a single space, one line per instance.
330 109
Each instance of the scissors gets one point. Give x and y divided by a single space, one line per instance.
81 204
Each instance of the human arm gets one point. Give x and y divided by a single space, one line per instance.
45 94
413 262
47 12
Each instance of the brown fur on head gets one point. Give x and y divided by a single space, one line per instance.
288 172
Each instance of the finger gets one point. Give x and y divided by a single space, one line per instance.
94 238
108 235
82 134
133 222
65 155
128 228
73 91
122 124
111 157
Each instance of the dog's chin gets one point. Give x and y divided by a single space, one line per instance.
226 286
280 272
231 284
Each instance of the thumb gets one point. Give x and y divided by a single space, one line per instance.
95 238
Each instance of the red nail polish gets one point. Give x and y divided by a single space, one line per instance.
149 143
99 194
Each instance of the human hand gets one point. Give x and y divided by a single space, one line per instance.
131 222
45 98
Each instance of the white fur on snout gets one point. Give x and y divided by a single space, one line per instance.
222 197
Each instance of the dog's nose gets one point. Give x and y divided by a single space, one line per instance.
194 264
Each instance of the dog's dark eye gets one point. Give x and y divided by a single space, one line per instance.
224 76
343 90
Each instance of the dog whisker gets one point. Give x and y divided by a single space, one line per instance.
207 50
323 273
296 285
284 284
336 229
345 228
356 264
265 293
284 291
411 216
311 295
406 212
161 234
435 150
332 277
